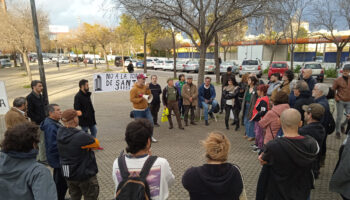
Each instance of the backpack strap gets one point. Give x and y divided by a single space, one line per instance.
124 172
147 166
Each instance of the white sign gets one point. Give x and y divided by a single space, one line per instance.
110 82
4 104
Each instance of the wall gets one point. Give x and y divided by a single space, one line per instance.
281 53
250 52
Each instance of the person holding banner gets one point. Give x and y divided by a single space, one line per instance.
140 96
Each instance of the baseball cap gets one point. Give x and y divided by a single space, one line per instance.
189 77
315 109
141 76
69 115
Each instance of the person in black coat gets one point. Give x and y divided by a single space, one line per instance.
156 91
83 104
217 179
36 111
313 114
130 67
303 97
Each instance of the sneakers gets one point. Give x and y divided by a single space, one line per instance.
154 140
206 123
237 127
251 139
156 125
186 123
256 150
100 148
227 128
253 146
193 123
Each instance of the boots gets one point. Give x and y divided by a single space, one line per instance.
206 123
237 127
186 123
226 123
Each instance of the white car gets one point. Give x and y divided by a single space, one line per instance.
158 65
46 60
150 62
168 65
180 65
64 60
251 66
127 62
101 61
317 70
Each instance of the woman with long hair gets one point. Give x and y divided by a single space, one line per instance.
249 99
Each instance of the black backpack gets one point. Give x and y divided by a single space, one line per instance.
329 125
134 188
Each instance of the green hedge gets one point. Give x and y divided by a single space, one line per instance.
266 71
297 69
331 73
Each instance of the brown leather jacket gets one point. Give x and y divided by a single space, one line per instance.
189 91
342 89
14 117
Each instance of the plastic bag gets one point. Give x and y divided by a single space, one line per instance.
165 115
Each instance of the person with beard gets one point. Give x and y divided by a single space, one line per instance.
83 104
287 162
217 179
307 77
303 96
313 114
17 114
190 99
36 110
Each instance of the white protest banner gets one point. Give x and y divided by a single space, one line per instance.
110 82
4 104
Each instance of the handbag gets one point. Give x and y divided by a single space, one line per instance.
165 114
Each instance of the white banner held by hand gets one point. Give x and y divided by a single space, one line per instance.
110 82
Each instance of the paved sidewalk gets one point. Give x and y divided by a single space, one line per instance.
181 148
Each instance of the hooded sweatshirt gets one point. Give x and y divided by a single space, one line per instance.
77 158
22 177
219 182
50 128
287 174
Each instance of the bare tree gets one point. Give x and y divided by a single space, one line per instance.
16 30
192 16
289 15
327 16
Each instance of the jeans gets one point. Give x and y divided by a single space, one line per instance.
88 188
187 109
61 183
181 107
249 125
42 149
93 129
340 113
206 108
228 109
144 114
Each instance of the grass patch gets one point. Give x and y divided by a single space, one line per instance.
26 86
23 75
109 70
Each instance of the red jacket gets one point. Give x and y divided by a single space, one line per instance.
260 109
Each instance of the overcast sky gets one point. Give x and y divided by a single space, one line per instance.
67 12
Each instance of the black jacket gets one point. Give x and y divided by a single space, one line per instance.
327 120
130 68
82 102
317 131
77 164
165 95
304 98
156 90
36 108
208 182
311 82
235 95
225 77
288 175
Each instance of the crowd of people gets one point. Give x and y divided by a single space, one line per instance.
287 121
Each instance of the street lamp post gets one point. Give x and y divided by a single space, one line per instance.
39 52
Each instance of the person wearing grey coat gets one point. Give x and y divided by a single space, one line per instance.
340 181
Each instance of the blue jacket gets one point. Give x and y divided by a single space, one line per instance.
50 128
22 177
201 94
311 82
324 102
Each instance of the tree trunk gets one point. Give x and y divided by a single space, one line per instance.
216 57
14 55
202 54
274 47
292 57
339 51
123 60
225 52
174 49
94 48
144 52
76 51
316 49
26 63
105 56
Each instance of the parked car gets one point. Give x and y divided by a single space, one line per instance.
277 67
139 64
192 65
168 65
118 60
64 60
318 59
159 64
209 67
46 60
317 70
227 64
340 70
151 62
180 65
251 66
5 63
127 62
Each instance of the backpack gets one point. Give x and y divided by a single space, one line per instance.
134 188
